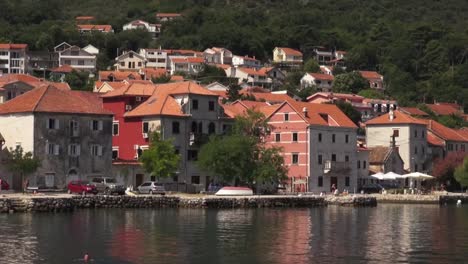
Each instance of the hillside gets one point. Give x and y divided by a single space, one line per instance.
419 46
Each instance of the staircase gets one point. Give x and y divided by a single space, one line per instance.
18 205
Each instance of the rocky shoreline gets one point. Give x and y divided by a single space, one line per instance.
31 203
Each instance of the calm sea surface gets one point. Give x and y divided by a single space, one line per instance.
384 234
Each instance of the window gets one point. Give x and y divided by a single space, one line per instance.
415 149
346 158
80 62
320 137
122 63
145 127
115 129
277 137
396 133
358 164
364 164
415 167
195 180
192 154
96 125
52 123
347 181
450 147
74 128
74 150
211 128
333 157
346 138
333 138
115 154
415 133
67 62
295 158
294 136
320 181
194 104
286 116
96 150
423 150
175 127
320 161
463 147
422 134
211 106
139 64
52 149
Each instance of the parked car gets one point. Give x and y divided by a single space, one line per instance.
371 188
108 185
152 187
82 187
5 185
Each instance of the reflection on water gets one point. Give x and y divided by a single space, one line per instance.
385 234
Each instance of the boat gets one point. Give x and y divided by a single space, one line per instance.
234 191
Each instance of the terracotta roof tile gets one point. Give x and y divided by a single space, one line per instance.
177 78
370 75
342 96
51 99
399 118
378 154
268 97
161 15
443 109
413 111
291 52
62 69
442 131
321 76
251 71
153 72
104 28
132 89
434 140
118 75
84 18
13 46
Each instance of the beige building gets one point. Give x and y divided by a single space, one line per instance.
130 61
287 56
410 138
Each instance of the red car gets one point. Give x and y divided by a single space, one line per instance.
82 187
5 185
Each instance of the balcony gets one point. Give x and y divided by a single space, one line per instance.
336 166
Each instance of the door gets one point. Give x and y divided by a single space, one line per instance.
333 181
138 180
207 183
50 180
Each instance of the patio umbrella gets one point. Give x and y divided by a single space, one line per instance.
419 176
393 176
378 176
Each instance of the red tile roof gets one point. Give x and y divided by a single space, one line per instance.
30 80
153 73
63 69
132 89
443 109
104 28
321 76
463 132
442 131
53 100
84 18
177 78
251 71
434 140
188 60
291 52
399 118
118 75
370 75
13 46
162 15
413 111
268 97
342 96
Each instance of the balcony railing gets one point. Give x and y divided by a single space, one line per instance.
336 166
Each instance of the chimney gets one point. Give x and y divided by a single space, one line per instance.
304 111
391 115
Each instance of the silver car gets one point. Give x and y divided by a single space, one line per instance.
108 185
152 187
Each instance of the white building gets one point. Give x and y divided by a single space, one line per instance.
155 58
323 82
249 76
13 58
245 61
189 65
130 61
218 55
154 29
410 138
76 57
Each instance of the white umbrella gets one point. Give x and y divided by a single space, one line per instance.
378 176
419 176
393 176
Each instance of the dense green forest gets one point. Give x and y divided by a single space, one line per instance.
419 46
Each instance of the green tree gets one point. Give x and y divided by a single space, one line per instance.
211 74
161 159
22 163
233 92
349 111
351 82
161 79
311 65
242 156
371 94
461 173
78 80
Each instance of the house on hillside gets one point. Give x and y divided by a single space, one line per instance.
84 19
445 109
166 17
83 29
71 135
76 57
154 29
450 139
323 82
13 58
374 78
218 55
130 61
284 55
188 65
155 58
245 61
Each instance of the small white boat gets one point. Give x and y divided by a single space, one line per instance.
234 191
